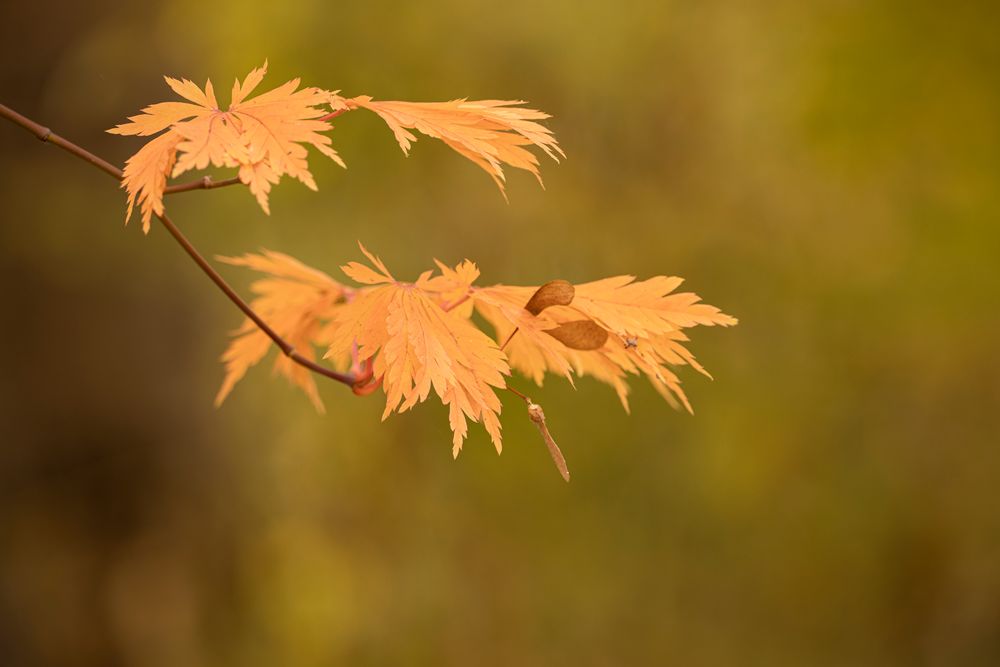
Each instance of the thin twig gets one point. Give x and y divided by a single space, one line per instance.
220 282
204 183
518 394
45 134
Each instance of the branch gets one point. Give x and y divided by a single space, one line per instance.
47 135
204 183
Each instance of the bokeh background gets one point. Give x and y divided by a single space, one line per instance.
826 171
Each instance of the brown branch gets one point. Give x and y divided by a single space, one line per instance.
46 135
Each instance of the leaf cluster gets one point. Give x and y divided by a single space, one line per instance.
419 337
266 137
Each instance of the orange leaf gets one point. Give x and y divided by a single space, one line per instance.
297 302
491 133
646 318
265 137
644 308
146 176
417 346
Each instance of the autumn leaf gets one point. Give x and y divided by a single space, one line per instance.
298 302
416 346
642 323
491 133
644 308
265 137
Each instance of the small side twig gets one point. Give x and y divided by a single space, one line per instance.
203 183
332 115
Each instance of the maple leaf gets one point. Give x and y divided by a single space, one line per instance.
265 137
643 322
646 307
298 302
417 346
491 133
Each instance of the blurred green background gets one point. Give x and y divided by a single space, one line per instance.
825 171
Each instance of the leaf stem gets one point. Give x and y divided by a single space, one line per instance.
45 134
456 303
331 116
518 394
516 329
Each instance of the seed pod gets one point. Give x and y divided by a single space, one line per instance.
580 335
552 293
536 415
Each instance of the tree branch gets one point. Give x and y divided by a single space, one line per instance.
204 183
47 135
